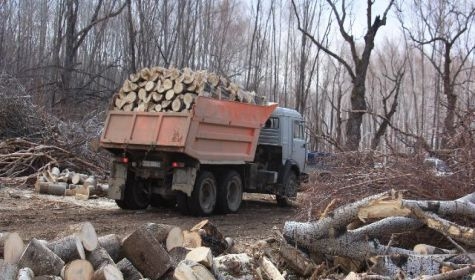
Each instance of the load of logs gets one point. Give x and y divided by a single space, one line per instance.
159 89
68 183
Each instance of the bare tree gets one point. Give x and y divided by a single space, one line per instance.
360 63
444 22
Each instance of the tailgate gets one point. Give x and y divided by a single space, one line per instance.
140 129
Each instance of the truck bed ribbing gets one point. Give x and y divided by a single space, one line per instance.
215 130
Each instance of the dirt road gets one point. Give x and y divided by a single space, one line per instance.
44 216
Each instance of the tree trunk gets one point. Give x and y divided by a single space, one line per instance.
355 118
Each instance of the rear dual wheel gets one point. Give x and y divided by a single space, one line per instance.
137 194
203 197
225 195
229 192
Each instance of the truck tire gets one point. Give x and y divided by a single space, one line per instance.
229 192
289 183
121 203
136 194
203 197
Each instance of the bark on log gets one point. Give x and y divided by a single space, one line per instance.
8 271
40 259
68 248
77 270
170 236
412 265
143 243
3 237
353 243
297 260
53 188
111 243
99 257
211 237
25 274
178 254
128 270
240 266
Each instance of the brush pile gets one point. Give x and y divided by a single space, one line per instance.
159 89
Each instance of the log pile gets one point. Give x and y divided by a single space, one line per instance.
68 183
352 237
159 89
153 251
345 243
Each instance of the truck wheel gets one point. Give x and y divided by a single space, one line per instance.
229 193
137 195
121 204
290 183
203 197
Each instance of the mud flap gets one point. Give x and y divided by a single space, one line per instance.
184 179
117 181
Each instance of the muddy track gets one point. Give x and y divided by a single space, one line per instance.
44 216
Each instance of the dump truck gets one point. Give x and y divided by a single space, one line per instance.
203 160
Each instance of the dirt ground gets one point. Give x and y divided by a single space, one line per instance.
44 216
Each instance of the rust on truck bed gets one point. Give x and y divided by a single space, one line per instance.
214 131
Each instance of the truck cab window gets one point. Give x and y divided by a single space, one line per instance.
272 123
298 130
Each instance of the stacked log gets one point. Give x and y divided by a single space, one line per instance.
69 183
159 89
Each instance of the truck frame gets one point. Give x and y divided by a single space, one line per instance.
203 160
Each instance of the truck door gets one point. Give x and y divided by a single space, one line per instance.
299 144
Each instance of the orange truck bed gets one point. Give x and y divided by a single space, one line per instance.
215 131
